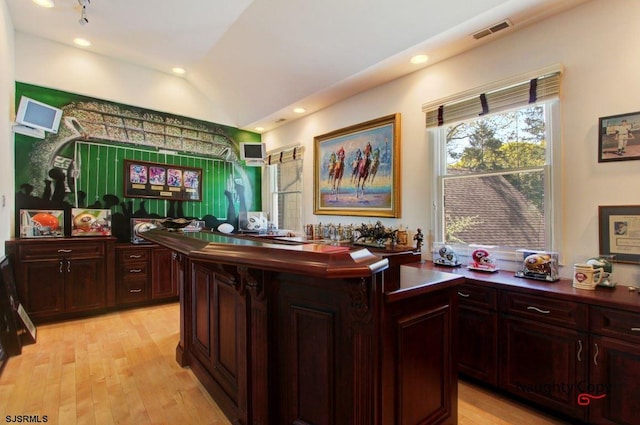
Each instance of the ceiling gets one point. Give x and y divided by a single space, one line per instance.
262 58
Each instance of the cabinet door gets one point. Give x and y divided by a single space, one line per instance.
162 284
478 344
218 333
614 374
543 363
424 389
43 291
85 287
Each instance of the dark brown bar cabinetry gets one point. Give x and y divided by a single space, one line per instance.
478 332
614 366
144 274
63 277
544 350
305 334
571 351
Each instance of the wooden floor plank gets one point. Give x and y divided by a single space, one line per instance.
120 368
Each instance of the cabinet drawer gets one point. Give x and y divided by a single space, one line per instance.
477 295
56 250
133 290
545 309
134 271
620 324
133 254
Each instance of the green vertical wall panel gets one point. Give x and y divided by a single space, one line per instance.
101 172
95 138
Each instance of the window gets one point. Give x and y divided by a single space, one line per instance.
495 180
285 176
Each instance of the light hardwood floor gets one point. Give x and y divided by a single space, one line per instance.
120 368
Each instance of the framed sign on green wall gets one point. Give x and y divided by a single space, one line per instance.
162 181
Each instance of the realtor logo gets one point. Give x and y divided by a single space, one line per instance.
584 399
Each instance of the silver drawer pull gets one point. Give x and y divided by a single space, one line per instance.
135 271
66 251
135 291
635 329
135 256
463 294
538 310
580 350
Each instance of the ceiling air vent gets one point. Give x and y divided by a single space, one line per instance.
492 29
281 120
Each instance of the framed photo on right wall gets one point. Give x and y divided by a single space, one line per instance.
619 137
619 232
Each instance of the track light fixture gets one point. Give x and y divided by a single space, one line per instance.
83 13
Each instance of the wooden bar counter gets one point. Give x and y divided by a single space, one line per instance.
281 332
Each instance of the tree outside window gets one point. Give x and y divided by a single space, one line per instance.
493 188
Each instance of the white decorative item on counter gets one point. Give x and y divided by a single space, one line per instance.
602 266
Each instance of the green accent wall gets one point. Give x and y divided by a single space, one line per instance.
96 136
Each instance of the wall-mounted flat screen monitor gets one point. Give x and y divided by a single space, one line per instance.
35 114
252 152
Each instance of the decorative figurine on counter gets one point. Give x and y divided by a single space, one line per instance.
446 256
539 265
419 238
375 235
482 260
403 236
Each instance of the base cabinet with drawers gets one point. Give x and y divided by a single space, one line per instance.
134 271
569 351
543 350
62 277
144 274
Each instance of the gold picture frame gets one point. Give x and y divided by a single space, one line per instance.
357 169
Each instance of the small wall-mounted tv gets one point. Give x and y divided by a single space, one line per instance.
37 115
253 153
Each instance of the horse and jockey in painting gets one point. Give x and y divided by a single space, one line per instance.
336 169
364 165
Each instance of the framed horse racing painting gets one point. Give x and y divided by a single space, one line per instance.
357 169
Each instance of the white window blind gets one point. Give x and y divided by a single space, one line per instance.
285 155
517 92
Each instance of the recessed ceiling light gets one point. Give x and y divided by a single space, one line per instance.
299 110
178 70
44 3
418 59
259 128
82 42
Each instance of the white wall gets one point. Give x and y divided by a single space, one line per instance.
597 44
7 90
80 71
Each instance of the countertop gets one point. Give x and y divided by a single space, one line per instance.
617 297
314 259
